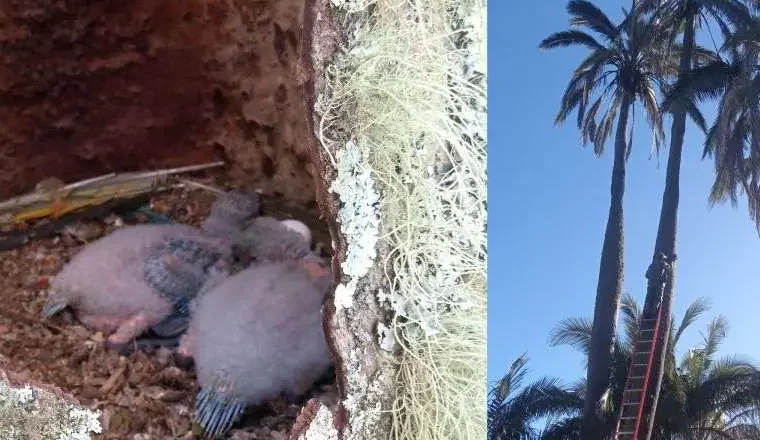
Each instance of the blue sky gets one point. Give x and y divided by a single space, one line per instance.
548 205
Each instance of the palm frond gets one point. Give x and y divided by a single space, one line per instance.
726 391
541 399
575 332
566 429
604 129
570 38
692 313
649 98
630 315
546 397
716 334
702 83
696 115
585 13
511 380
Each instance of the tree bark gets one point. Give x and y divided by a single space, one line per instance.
364 371
609 285
665 243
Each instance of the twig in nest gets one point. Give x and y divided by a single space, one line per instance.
199 185
112 381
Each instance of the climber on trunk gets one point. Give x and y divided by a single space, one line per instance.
141 276
657 273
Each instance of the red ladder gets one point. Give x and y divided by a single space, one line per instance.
634 400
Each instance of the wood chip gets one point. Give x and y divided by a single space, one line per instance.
112 381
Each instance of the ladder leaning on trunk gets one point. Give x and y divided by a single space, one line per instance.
631 417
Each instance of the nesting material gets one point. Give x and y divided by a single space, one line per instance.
140 396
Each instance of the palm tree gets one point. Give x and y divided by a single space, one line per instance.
680 17
703 398
625 66
513 409
734 139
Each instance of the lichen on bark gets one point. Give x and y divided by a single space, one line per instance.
358 217
28 412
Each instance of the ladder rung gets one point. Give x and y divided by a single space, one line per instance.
628 418
639 365
635 390
630 403
626 433
637 377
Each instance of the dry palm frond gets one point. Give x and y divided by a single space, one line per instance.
65 199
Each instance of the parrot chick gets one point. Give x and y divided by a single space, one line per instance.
298 226
180 276
258 335
269 239
230 212
139 276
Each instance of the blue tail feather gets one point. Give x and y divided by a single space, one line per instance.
171 326
217 412
52 307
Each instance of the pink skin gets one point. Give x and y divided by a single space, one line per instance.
315 270
121 330
105 324
186 344
183 355
129 330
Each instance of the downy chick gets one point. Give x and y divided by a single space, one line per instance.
177 272
114 284
179 268
259 335
267 240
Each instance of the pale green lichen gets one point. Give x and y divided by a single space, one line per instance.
321 427
358 217
386 339
30 413
409 88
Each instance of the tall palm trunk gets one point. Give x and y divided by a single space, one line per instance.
665 242
609 285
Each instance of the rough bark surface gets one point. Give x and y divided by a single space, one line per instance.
88 87
609 286
17 380
315 422
31 409
364 370
665 243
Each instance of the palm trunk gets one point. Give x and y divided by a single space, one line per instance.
665 242
609 285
